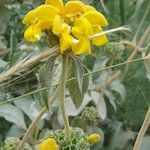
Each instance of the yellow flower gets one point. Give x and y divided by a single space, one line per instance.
32 33
48 144
95 18
94 138
56 3
44 16
99 41
82 29
73 9
73 23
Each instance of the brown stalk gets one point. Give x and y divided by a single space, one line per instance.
142 131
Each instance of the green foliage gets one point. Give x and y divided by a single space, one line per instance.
5 15
78 139
11 144
137 100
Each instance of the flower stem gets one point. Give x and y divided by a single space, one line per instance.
62 94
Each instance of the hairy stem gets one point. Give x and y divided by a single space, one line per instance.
62 94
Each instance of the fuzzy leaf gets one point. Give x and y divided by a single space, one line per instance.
15 131
46 76
118 87
79 72
101 108
111 98
100 104
13 114
77 87
145 143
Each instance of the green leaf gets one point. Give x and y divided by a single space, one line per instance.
78 86
46 75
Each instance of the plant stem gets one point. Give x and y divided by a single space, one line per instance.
62 94
142 131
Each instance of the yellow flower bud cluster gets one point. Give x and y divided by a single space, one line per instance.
73 23
93 138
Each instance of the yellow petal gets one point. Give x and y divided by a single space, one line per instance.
83 46
99 40
56 3
44 24
48 144
59 26
44 12
29 18
66 41
74 8
32 33
82 27
96 18
89 8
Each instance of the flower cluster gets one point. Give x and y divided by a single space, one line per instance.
73 23
94 138
79 140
